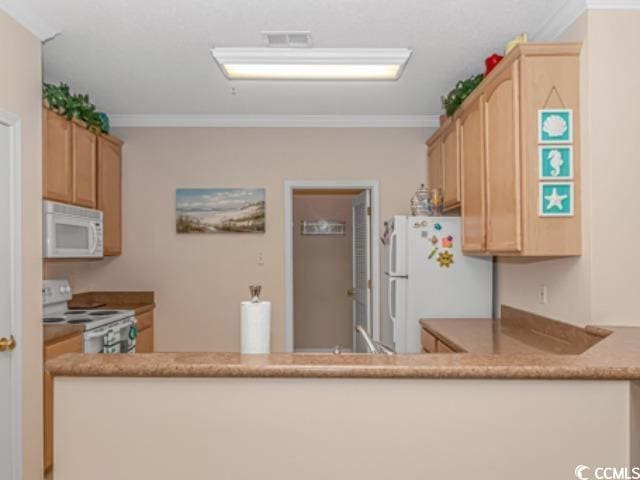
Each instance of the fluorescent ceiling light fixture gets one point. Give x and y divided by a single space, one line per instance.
312 63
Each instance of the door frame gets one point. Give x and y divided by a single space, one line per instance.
14 124
289 186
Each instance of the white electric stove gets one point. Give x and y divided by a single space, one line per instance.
106 331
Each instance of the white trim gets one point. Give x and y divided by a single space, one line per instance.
15 199
569 12
289 186
613 4
26 17
560 20
328 121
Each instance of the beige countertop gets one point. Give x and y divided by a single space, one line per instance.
614 357
56 332
516 332
139 302
519 346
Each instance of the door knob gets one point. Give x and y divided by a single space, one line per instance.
7 343
351 292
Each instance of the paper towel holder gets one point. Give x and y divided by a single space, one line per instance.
254 291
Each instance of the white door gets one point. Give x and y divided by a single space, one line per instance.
361 208
9 264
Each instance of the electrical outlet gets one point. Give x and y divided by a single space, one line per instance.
542 294
260 259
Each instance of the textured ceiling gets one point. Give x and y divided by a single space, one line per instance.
152 56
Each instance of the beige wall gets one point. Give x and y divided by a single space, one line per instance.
312 429
322 274
199 280
20 93
601 286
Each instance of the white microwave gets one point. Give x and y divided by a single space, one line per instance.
70 231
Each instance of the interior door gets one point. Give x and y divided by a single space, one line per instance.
361 209
9 261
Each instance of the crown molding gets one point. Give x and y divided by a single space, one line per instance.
288 121
569 12
26 17
613 4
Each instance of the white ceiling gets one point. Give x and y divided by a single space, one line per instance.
152 56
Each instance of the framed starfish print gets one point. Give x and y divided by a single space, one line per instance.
555 199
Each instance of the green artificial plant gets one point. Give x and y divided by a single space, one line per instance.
59 99
463 88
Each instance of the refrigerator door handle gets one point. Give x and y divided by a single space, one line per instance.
393 290
393 254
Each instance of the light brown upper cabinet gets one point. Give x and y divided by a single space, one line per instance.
85 169
443 164
69 161
110 192
451 167
502 135
435 169
84 153
470 134
498 148
57 168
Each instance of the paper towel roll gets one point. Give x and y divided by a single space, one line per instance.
255 327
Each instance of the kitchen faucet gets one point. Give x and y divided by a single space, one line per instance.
373 346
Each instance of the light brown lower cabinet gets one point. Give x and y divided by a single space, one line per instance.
433 344
74 344
442 347
144 342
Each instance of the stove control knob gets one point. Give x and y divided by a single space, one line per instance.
67 289
61 289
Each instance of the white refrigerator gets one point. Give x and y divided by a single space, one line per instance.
425 275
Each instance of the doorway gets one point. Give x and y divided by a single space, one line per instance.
10 298
331 264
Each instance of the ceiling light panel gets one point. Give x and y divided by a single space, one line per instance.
311 64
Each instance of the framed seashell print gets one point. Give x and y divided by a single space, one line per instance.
555 162
555 125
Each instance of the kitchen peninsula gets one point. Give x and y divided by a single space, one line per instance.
224 407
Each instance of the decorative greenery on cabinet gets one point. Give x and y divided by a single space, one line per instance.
60 99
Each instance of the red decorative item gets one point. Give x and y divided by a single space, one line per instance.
491 62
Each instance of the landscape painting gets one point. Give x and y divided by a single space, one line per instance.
220 210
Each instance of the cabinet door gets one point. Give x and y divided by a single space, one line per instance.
84 150
70 345
57 172
144 342
110 193
435 170
473 179
451 166
502 150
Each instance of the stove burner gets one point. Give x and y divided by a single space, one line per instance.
102 313
53 320
80 320
75 312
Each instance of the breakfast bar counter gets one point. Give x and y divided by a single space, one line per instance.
616 356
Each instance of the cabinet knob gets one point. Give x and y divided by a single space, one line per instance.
7 343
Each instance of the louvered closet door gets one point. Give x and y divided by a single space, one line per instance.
361 267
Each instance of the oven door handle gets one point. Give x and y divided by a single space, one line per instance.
96 334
